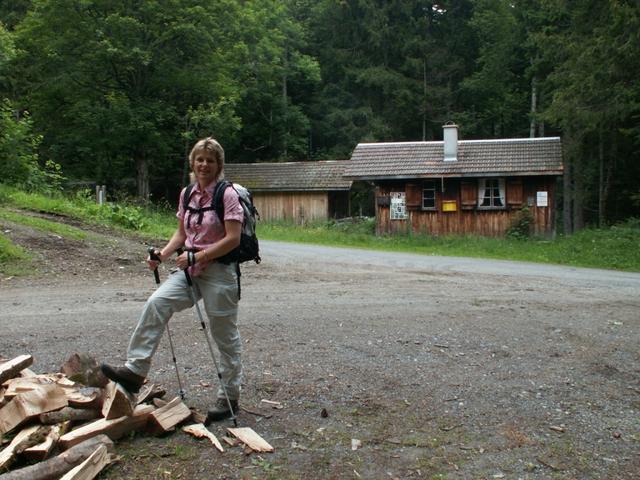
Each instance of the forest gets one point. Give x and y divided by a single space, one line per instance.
116 92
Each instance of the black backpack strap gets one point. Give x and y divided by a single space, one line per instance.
185 201
217 202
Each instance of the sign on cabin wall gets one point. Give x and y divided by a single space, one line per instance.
542 199
449 206
398 206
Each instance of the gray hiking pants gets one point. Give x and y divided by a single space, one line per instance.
218 287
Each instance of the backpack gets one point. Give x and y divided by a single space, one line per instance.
249 248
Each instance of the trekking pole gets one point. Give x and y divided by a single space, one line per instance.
206 335
181 392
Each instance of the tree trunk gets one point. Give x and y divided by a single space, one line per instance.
534 100
578 192
285 106
142 177
424 99
601 219
567 193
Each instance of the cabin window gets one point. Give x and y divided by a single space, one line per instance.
398 206
429 195
491 193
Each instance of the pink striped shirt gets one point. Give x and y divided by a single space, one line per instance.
211 230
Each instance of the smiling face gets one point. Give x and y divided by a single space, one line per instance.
207 161
205 167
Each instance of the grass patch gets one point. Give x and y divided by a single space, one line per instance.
150 222
615 247
61 229
13 259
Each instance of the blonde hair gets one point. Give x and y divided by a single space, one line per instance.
212 146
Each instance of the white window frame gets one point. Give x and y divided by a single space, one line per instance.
429 186
490 185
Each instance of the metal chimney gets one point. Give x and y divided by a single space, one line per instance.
450 135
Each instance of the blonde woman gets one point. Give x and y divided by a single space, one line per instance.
205 238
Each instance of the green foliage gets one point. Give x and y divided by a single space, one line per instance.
44 225
126 216
521 224
13 259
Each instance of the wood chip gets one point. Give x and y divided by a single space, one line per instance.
251 439
200 431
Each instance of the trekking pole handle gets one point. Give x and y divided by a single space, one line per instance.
154 256
180 251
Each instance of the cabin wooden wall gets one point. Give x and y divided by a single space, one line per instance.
467 219
297 207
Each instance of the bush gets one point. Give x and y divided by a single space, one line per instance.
521 225
19 154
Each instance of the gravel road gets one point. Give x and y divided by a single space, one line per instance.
427 367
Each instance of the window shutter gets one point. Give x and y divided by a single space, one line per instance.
414 196
468 197
514 191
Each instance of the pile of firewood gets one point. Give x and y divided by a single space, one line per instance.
63 425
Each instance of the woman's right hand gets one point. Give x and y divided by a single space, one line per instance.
153 263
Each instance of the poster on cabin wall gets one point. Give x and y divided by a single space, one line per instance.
542 199
398 206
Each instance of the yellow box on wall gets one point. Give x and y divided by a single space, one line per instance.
449 206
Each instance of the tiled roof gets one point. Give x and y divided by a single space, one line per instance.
526 156
290 176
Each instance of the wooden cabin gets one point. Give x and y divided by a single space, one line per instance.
298 192
461 187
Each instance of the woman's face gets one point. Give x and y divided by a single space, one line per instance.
205 167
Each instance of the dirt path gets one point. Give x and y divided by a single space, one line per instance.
440 367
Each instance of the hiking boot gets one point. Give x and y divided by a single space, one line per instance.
122 375
221 410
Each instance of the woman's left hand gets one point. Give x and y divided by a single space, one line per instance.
183 261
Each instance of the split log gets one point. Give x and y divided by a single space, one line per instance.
117 402
87 397
251 439
7 455
196 416
164 419
57 466
29 404
158 402
13 367
149 392
83 368
200 431
68 413
91 467
41 451
114 429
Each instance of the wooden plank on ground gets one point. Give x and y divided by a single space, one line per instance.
13 367
29 404
200 431
91 467
41 451
117 402
7 455
114 429
165 419
57 466
251 439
